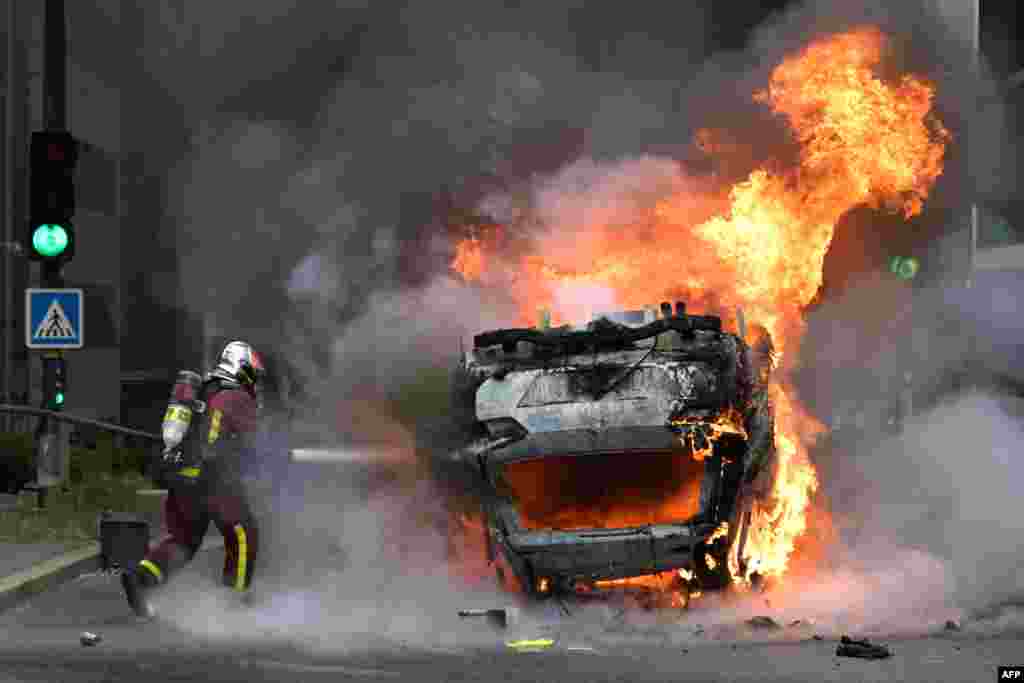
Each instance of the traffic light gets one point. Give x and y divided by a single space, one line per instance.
55 383
904 267
51 236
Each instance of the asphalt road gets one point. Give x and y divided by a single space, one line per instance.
39 641
390 620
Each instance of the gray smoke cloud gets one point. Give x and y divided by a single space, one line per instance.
305 213
931 505
322 137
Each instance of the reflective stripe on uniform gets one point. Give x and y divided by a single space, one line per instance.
153 569
242 551
190 472
178 414
215 419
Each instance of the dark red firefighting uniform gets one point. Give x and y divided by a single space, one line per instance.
231 414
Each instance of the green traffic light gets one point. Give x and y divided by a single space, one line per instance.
50 240
58 398
904 267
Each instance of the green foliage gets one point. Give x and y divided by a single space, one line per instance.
104 478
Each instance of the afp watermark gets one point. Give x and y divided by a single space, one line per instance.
1011 673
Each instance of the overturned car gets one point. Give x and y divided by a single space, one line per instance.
624 455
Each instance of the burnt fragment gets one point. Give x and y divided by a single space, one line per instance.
90 639
763 623
494 617
862 649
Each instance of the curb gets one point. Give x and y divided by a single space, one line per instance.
20 586
28 583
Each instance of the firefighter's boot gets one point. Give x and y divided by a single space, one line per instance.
137 587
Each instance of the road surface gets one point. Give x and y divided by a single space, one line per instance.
39 641
346 609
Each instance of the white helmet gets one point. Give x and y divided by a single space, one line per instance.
239 362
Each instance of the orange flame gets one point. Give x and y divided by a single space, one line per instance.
728 422
469 259
760 246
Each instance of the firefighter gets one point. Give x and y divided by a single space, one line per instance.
207 432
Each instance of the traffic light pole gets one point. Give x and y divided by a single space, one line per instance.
55 67
9 217
49 435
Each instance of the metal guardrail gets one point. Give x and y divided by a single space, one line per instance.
80 421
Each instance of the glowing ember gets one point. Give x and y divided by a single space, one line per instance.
663 583
758 246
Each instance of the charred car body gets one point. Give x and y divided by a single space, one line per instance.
632 448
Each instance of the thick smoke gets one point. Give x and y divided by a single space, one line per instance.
305 214
306 208
931 503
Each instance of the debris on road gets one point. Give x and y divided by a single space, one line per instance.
537 645
90 639
863 649
763 623
952 626
497 617
581 648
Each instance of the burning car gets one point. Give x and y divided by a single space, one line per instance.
622 455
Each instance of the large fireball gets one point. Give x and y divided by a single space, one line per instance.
758 246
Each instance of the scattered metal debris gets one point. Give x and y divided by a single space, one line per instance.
581 648
90 639
863 649
496 617
766 623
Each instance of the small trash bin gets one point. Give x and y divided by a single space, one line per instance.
124 538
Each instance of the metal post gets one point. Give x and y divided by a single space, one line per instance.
12 99
51 436
972 248
55 67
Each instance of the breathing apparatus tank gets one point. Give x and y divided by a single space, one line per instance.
184 403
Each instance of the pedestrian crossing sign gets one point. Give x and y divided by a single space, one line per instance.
54 318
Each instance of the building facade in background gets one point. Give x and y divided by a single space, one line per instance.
133 331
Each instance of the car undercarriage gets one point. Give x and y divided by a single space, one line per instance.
618 456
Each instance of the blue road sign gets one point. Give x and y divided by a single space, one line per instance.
54 318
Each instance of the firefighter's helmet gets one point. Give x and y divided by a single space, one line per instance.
239 362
